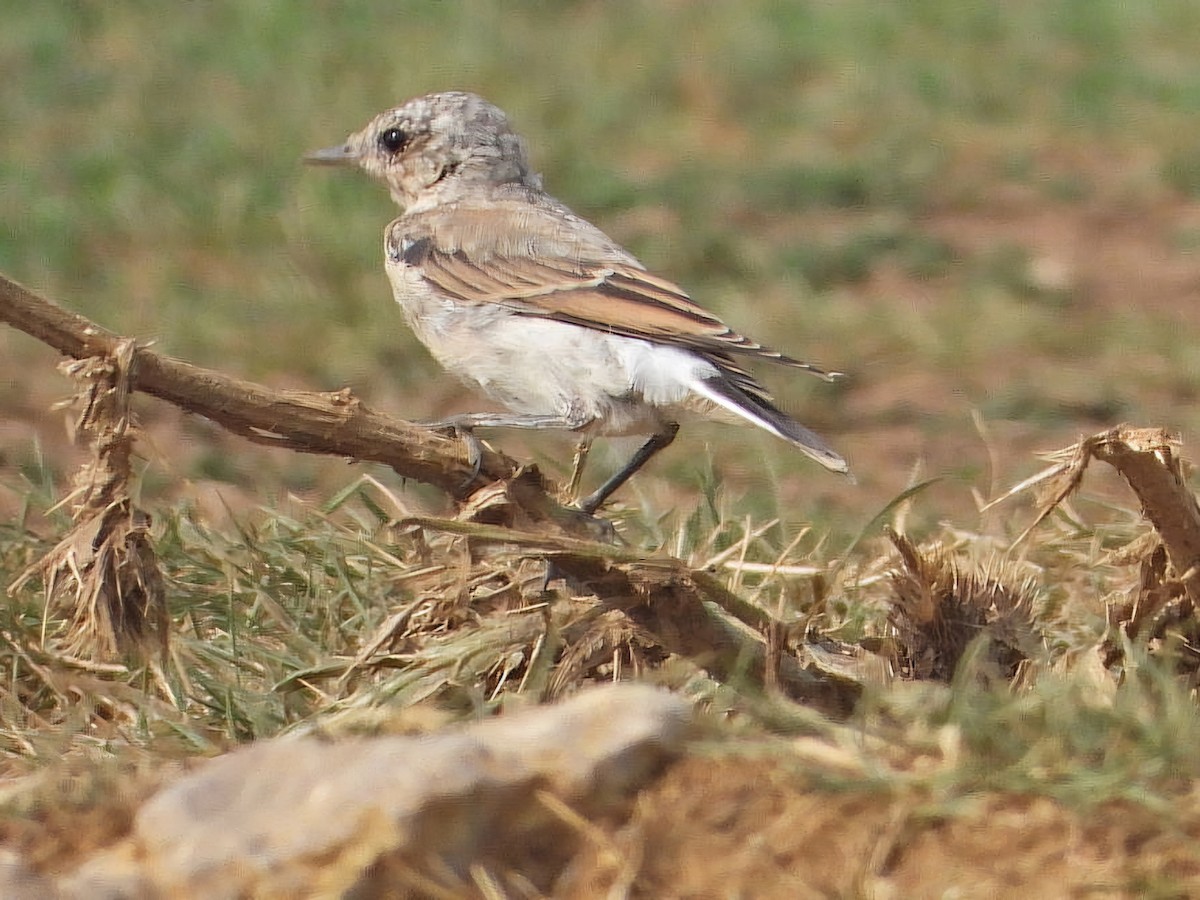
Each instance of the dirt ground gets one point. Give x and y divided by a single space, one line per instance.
735 828
732 826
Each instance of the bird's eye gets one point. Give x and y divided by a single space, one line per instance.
393 140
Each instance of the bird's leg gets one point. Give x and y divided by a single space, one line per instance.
467 435
464 427
657 442
582 449
467 421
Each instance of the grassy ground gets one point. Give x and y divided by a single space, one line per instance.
987 215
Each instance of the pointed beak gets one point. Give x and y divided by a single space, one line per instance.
343 155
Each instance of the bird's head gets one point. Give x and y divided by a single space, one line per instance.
429 148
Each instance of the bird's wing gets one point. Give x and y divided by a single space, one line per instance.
541 260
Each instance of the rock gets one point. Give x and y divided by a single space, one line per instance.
373 817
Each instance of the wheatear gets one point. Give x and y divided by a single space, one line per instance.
512 291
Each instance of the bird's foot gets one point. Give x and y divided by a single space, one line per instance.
464 432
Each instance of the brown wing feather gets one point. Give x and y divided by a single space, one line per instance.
532 264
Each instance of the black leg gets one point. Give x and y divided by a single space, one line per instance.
657 442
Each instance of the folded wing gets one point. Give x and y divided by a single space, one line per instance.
527 261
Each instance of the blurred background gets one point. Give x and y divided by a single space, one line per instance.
986 214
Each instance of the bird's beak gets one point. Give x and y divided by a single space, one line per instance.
343 155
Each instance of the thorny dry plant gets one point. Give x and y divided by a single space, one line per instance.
939 609
104 573
1162 610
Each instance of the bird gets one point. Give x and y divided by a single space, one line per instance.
549 316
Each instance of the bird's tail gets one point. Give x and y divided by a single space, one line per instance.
764 414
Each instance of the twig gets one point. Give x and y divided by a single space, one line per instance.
1149 461
337 424
331 423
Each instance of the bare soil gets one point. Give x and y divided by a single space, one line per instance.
741 828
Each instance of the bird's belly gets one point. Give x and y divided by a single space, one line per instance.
608 383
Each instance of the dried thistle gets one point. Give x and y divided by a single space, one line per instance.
938 610
1168 593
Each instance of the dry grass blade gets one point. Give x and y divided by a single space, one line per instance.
1054 484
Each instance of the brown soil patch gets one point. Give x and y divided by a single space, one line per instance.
738 827
1117 253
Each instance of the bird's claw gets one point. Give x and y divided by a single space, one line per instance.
474 445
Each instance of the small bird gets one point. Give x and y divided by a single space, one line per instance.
511 290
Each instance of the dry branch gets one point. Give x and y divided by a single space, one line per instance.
334 423
688 612
1148 460
328 423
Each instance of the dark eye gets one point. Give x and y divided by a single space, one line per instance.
393 140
